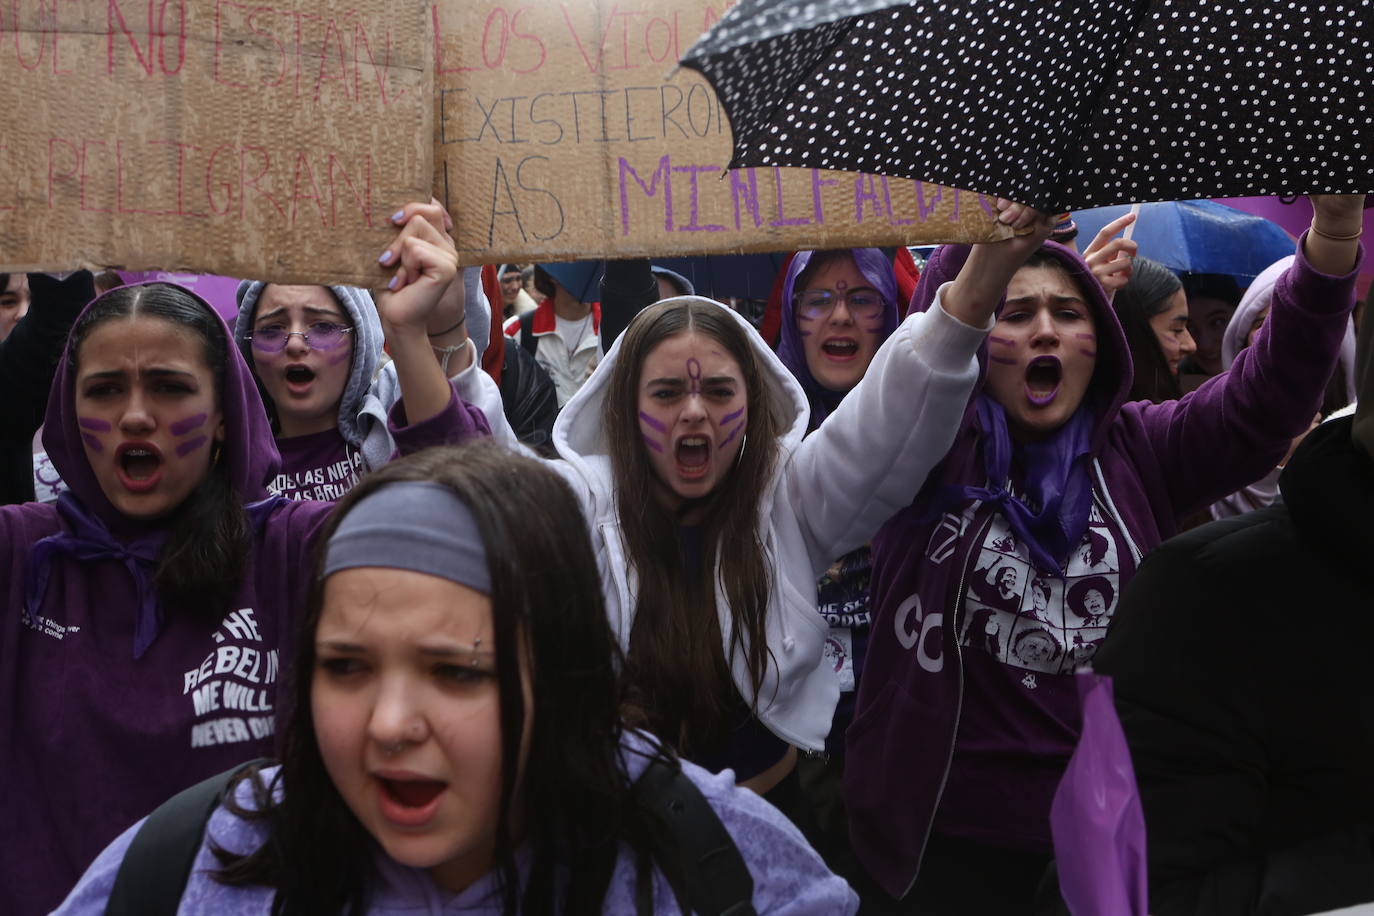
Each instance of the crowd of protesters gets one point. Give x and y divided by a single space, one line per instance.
509 589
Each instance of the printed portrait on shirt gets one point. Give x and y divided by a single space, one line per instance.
999 581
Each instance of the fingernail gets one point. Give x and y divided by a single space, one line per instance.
398 216
384 257
392 284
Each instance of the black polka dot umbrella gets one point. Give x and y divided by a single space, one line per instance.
1062 104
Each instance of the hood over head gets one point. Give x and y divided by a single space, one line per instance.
1255 300
580 430
367 347
877 269
1112 378
248 455
1056 472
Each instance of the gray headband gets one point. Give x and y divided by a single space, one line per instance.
414 525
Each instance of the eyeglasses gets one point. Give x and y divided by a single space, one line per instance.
322 335
813 304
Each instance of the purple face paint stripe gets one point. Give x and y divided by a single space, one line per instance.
731 417
653 424
192 445
1092 353
1003 360
730 438
182 427
1086 336
92 442
99 426
651 443
1002 340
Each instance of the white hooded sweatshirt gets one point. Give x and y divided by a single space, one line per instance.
830 494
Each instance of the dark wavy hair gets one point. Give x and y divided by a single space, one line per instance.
680 685
209 537
549 618
1143 297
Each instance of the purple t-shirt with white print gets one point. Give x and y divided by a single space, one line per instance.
1023 632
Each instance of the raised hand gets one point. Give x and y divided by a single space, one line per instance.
423 261
1111 259
1333 244
975 293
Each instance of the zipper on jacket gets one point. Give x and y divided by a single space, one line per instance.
959 703
1110 506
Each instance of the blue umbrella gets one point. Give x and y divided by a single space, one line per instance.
1197 236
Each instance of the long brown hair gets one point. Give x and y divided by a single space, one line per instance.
679 680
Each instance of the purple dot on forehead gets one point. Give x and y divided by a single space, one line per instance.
842 285
99 426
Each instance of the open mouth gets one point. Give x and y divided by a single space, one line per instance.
139 466
410 803
1043 376
412 793
841 348
299 377
693 454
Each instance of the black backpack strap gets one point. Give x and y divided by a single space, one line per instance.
157 864
527 338
717 879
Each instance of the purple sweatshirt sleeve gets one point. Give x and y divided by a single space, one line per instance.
457 423
1238 425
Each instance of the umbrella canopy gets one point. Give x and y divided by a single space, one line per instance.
1199 236
1054 103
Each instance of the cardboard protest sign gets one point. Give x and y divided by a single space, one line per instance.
561 134
253 140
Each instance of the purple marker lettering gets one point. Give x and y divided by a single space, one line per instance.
653 424
182 427
1092 353
1002 340
694 375
731 417
733 433
92 442
192 445
99 426
1003 360
651 443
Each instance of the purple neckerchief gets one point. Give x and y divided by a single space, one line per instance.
1056 479
89 539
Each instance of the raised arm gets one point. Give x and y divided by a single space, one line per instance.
1242 421
872 455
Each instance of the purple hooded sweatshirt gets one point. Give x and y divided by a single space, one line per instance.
1142 467
842 593
108 707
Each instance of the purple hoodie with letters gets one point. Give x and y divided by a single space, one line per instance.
1147 466
108 706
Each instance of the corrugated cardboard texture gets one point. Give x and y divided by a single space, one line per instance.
208 135
560 134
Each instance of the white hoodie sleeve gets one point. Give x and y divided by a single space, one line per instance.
871 456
